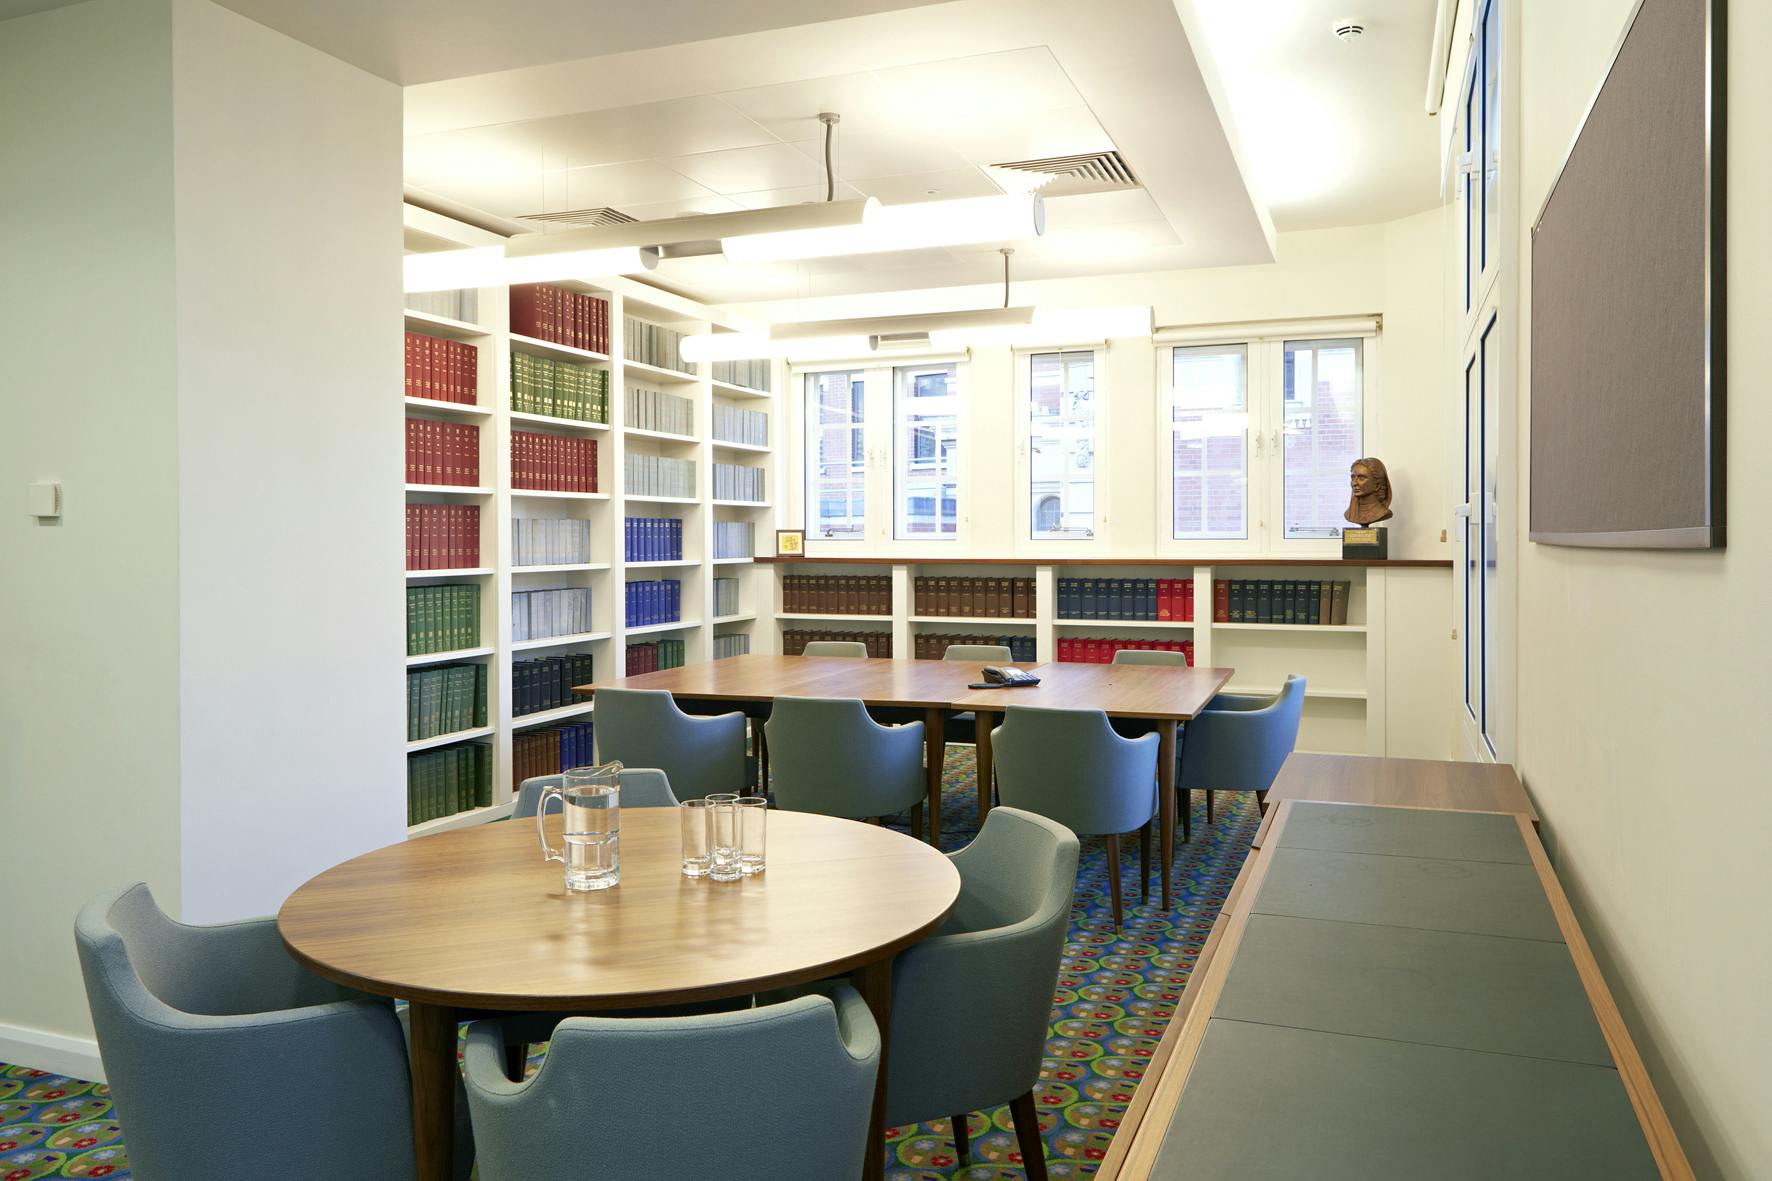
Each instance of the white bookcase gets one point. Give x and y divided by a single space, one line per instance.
1344 665
605 509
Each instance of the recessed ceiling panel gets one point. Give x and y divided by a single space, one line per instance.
939 96
789 110
861 152
747 170
1065 131
635 182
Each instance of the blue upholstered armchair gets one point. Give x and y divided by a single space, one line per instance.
828 756
644 728
1238 743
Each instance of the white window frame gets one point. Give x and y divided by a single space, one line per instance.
803 382
1026 544
1266 344
962 440
878 380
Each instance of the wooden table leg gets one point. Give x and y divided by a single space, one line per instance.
1166 799
982 728
433 1090
874 983
935 746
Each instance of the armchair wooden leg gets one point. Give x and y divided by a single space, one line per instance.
1144 862
516 1060
961 1148
1027 1136
1260 804
917 821
1113 853
1208 805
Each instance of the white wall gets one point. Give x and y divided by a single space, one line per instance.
1643 734
289 368
199 336
89 707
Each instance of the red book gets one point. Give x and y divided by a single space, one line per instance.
602 326
452 371
471 441
470 359
427 373
1221 600
409 537
411 450
525 312
1187 600
411 348
1165 598
547 307
575 311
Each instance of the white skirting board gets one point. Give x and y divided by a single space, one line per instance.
55 1053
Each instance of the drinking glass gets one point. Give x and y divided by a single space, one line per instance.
590 813
698 833
723 865
753 820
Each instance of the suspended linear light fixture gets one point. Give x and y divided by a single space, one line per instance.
489 266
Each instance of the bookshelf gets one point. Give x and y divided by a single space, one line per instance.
1344 664
605 569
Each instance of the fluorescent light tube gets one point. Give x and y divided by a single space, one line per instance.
901 227
1052 326
487 266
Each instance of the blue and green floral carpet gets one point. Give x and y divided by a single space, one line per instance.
1115 995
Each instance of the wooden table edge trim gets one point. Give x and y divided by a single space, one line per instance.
1140 1154
1658 1132
1132 1119
601 1003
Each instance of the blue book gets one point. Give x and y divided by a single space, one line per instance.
1088 599
1115 606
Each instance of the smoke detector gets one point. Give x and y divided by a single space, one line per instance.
1348 30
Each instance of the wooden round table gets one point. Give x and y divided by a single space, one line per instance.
475 919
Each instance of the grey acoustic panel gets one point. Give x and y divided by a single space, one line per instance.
1265 1103
1407 832
1627 317
1434 894
1473 992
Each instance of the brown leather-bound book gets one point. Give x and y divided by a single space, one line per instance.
882 595
1339 597
1325 602
851 595
968 604
939 606
523 309
999 598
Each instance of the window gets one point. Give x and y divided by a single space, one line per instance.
836 488
926 452
1061 444
1209 442
1321 433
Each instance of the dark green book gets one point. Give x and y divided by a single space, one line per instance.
1264 601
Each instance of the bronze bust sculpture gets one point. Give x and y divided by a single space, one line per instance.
1371 487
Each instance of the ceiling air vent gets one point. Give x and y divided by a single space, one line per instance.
603 215
1092 172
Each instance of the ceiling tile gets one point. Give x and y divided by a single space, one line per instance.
772 198
635 182
790 109
1088 210
678 127
936 96
945 185
749 170
1029 135
859 153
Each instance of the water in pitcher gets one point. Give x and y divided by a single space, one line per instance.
593 837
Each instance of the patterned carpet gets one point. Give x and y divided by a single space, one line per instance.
1114 998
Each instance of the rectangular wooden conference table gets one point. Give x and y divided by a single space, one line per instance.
1161 695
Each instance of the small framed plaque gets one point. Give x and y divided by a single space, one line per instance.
1365 543
790 543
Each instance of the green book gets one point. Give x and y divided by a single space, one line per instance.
1264 600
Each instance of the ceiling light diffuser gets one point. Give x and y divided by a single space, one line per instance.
487 266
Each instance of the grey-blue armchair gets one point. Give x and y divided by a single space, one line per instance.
1070 766
1150 656
777 1093
641 787
971 1005
644 728
848 649
828 756
222 1051
1238 743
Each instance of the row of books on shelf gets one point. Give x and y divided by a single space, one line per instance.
553 463
442 452
836 594
549 541
725 596
1094 650
654 410
441 370
752 375
655 475
546 312
443 782
654 600
994 598
1304 602
734 424
445 699
733 481
654 655
550 750
1159 599
559 389
735 539
442 618
933 645
463 305
652 344
546 682
731 644
653 539
794 641
538 614
442 536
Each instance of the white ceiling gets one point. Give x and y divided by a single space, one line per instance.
1329 132
928 97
